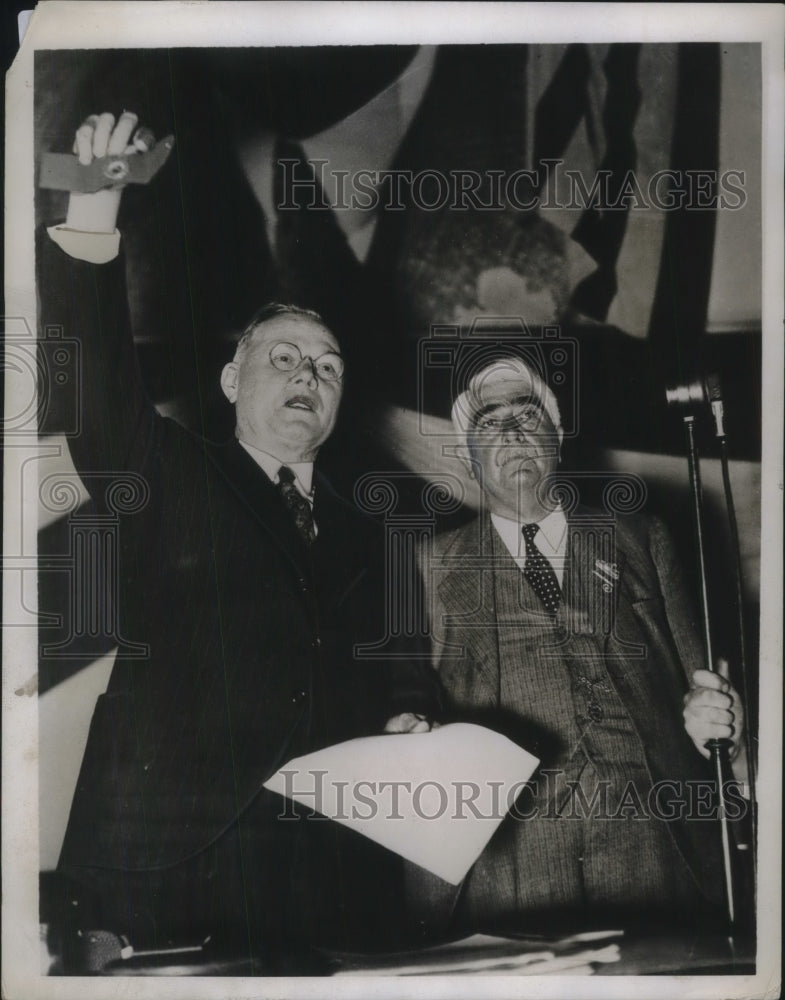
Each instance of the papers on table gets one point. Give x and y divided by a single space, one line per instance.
434 798
486 955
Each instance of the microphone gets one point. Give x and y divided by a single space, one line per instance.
714 393
693 395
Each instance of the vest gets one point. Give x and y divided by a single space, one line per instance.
583 834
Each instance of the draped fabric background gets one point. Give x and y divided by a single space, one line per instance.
650 296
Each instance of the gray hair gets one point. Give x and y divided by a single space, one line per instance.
268 312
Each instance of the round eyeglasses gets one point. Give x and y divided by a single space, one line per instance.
526 417
288 358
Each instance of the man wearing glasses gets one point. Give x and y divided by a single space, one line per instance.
250 584
578 641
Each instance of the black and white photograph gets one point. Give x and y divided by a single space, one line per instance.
392 550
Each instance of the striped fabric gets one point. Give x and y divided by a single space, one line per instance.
627 96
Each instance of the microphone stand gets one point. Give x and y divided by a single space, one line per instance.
718 748
714 394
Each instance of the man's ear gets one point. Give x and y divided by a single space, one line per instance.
463 452
229 380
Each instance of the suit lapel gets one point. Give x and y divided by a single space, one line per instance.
466 570
335 561
594 575
340 551
261 499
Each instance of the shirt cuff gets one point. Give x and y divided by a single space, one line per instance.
97 248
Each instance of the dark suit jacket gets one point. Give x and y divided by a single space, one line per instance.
646 634
249 635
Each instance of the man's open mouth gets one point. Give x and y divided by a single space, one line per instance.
301 403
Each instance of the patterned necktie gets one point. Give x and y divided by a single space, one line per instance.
539 572
298 506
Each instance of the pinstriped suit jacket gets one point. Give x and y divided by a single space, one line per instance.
646 631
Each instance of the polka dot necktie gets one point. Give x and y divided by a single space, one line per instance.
539 572
298 506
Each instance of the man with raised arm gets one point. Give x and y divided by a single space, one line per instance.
250 584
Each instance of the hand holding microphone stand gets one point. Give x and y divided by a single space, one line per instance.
690 399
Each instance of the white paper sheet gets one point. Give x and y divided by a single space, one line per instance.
434 798
490 955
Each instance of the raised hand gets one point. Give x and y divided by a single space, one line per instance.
99 136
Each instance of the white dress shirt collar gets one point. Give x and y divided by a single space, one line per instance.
303 471
551 539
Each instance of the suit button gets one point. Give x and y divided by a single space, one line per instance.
316 643
298 697
595 711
